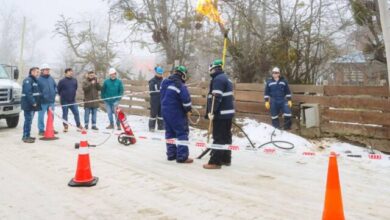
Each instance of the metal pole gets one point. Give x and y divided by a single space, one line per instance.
21 64
385 21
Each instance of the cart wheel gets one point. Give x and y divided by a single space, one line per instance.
126 141
121 139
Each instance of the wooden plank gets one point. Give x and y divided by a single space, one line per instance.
197 91
198 101
249 96
379 91
347 129
135 103
249 87
136 82
132 88
312 89
344 102
134 111
250 107
361 117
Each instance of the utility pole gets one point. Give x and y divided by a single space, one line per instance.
385 21
21 63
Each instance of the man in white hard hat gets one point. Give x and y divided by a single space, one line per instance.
49 90
112 92
277 98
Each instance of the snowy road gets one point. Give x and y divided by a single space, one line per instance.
136 182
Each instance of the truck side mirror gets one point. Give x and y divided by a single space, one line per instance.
16 74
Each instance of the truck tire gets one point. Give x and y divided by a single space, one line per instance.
12 122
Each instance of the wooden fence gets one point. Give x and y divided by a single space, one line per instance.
344 110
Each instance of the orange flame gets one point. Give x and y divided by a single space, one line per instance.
207 8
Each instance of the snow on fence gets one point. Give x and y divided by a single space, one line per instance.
344 110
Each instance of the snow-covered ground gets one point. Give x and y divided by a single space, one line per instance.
137 182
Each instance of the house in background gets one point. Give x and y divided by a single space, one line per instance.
357 69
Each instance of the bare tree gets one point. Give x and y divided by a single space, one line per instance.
88 46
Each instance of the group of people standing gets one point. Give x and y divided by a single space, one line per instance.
39 93
170 103
171 99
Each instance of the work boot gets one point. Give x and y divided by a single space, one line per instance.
55 132
41 133
86 127
33 138
111 126
65 128
189 160
118 128
80 127
95 128
151 129
28 140
211 166
226 163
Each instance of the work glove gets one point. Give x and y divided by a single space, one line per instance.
210 116
267 105
189 114
289 103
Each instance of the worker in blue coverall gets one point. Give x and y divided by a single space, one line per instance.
277 98
175 108
155 105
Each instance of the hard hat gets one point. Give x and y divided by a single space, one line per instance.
159 70
45 66
276 70
182 69
216 63
111 71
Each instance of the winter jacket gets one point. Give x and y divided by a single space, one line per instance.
91 92
277 90
175 98
112 88
31 94
154 89
222 88
67 88
48 88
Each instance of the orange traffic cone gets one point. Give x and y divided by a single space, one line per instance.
83 173
49 132
333 208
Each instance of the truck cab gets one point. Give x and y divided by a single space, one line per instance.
10 95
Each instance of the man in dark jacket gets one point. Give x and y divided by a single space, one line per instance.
277 97
112 92
91 89
221 89
49 90
67 88
175 108
30 102
155 105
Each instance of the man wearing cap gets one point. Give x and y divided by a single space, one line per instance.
175 108
49 90
91 88
112 92
155 105
277 98
30 102
67 88
222 113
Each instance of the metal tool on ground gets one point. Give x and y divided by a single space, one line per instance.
209 129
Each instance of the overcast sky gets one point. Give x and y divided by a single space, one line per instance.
43 14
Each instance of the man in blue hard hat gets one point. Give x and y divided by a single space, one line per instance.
155 104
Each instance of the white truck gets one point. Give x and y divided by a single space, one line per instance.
10 95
